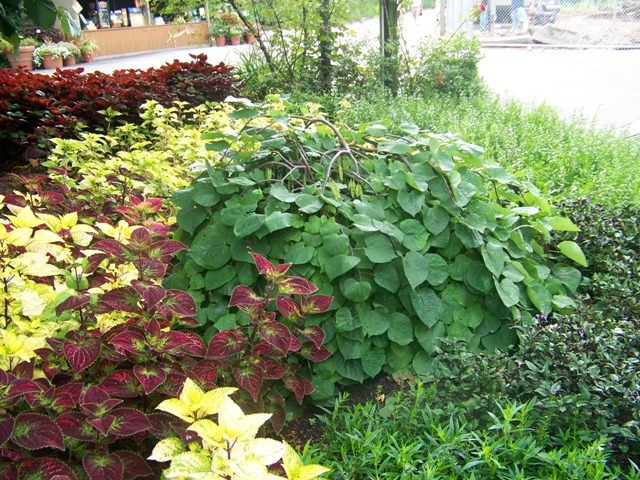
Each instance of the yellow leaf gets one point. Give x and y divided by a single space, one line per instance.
35 264
23 217
211 401
19 237
265 450
238 426
82 234
177 408
191 393
294 468
45 237
210 433
32 303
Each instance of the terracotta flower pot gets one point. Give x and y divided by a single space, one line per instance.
51 62
89 57
250 37
221 41
236 39
25 57
69 62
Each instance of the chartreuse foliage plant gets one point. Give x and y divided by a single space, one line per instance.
417 236
221 442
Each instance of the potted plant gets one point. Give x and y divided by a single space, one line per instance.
235 34
218 31
70 53
24 56
88 49
49 55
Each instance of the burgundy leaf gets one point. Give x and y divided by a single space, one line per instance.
123 298
24 369
283 268
150 205
273 370
103 423
74 425
315 303
276 334
153 328
72 303
186 342
129 421
172 385
140 240
250 378
310 351
225 344
245 298
149 377
265 267
33 431
81 356
8 471
54 469
96 396
295 345
288 308
313 333
133 465
151 294
300 386
295 285
73 389
112 247
132 341
180 303
21 386
102 466
193 346
206 372
149 268
6 427
161 424
166 249
267 349
121 383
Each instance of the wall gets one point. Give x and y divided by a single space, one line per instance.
123 40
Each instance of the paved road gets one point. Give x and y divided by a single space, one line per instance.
601 85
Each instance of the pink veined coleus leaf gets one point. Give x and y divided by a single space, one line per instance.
74 425
206 372
47 469
249 377
121 383
6 427
314 353
225 344
112 247
128 422
183 343
133 465
95 396
73 302
150 268
300 386
102 466
315 304
180 303
122 298
273 370
149 377
288 308
103 423
21 386
132 341
161 424
164 250
276 334
244 298
82 356
151 294
140 240
295 286
313 333
150 205
265 267
34 431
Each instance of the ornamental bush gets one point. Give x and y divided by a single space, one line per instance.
417 237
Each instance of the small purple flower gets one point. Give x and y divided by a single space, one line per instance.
554 390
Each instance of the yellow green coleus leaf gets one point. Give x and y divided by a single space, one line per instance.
236 425
121 231
35 264
295 469
18 237
191 465
167 449
193 403
23 217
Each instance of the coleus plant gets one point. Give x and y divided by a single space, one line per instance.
221 443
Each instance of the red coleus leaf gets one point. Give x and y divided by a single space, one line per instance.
121 383
148 205
295 285
183 343
102 466
180 303
273 370
8 471
246 299
134 465
112 247
74 425
73 302
6 427
300 386
128 421
315 304
264 348
34 431
123 298
225 344
288 308
133 341
103 424
82 355
164 250
313 333
172 386
249 377
150 377
140 240
150 268
161 424
295 345
24 369
277 335
206 373
95 401
151 294
314 353
21 386
46 469
265 267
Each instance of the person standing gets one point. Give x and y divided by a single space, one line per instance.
519 17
